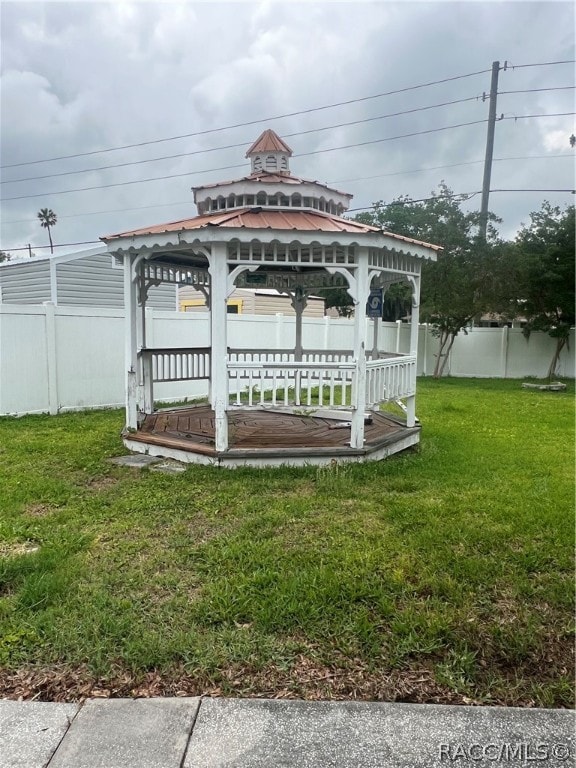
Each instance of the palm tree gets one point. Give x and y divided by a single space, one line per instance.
48 219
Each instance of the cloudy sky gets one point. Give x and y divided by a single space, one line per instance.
193 84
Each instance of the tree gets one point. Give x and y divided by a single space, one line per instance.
339 298
5 256
545 254
466 279
48 219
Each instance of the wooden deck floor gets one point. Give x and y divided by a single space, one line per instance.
265 432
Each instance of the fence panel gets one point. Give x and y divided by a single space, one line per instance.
62 358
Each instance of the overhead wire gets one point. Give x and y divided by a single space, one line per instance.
508 65
332 181
190 173
301 154
461 196
252 122
539 90
242 144
307 111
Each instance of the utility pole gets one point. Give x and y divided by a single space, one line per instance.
489 151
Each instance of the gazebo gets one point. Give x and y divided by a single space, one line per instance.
269 407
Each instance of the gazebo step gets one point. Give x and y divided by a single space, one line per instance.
169 442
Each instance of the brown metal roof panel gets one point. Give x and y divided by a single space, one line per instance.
194 222
255 218
269 141
260 218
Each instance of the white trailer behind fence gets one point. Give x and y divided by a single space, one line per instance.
56 358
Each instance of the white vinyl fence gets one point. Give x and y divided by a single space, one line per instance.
55 358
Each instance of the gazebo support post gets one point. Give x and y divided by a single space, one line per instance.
131 345
414 323
219 372
299 300
145 360
359 390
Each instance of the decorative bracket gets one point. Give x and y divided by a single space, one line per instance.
348 276
143 288
234 274
415 283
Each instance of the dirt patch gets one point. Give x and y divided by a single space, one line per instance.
40 510
101 483
17 548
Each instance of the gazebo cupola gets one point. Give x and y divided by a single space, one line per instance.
270 154
271 185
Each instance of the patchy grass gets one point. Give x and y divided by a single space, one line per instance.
444 574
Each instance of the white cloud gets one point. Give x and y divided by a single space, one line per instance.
78 77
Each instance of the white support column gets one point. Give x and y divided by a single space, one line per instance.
218 316
362 290
144 375
130 348
414 322
147 378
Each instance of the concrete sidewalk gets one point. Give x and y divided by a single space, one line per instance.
257 733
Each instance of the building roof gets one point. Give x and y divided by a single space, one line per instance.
269 141
261 218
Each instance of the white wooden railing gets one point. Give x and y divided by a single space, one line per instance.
176 363
288 355
316 385
390 379
321 379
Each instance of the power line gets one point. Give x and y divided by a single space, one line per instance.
301 154
334 181
539 90
244 143
508 65
190 173
571 191
463 196
438 168
548 114
251 122
59 245
124 183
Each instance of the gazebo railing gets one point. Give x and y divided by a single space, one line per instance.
390 379
301 384
257 377
176 363
288 355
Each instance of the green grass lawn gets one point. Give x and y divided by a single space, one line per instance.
443 574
